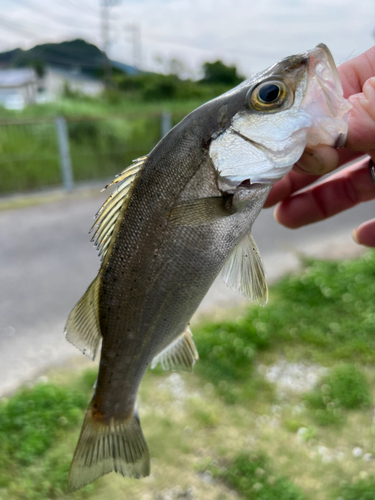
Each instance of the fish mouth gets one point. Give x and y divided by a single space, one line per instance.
324 100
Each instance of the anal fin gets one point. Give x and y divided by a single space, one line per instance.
244 272
181 354
82 328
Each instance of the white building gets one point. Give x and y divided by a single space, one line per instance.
18 87
55 81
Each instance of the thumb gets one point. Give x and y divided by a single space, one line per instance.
361 133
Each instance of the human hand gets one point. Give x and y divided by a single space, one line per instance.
351 185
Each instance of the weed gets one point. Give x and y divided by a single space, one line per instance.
31 422
252 477
345 387
364 489
342 329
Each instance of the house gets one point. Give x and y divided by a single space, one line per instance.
18 87
56 80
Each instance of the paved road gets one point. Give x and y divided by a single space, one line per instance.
46 263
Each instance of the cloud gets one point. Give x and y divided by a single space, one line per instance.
252 35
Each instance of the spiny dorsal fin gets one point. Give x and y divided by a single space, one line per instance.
108 214
82 328
181 354
244 272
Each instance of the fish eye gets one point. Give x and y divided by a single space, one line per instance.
268 96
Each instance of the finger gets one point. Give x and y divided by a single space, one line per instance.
288 185
361 121
344 190
355 72
295 181
318 160
365 234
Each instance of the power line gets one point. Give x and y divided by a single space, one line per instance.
51 16
79 7
14 26
249 52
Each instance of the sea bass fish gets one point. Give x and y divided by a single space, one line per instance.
179 216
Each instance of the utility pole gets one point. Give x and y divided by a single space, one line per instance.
135 40
105 29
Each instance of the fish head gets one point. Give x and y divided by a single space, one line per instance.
297 101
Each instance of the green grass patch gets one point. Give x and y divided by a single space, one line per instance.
31 423
364 489
325 314
105 139
253 477
345 387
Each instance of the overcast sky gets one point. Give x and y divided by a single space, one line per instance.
252 34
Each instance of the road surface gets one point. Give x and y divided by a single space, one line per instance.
47 262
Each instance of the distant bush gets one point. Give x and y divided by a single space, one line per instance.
253 478
31 420
344 388
364 489
158 87
219 73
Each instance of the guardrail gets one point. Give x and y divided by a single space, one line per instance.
59 151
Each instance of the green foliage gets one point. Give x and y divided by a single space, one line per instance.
30 423
157 87
364 489
253 478
347 385
99 148
326 313
32 419
344 388
219 73
227 351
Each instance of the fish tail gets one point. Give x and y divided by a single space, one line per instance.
105 447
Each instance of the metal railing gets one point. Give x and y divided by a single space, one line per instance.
51 152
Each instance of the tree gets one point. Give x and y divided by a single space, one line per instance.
219 73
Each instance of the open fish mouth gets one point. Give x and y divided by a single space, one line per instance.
324 100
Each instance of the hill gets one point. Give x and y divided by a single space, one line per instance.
67 55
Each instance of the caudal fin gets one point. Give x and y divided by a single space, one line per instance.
102 448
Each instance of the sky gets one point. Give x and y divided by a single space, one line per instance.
248 33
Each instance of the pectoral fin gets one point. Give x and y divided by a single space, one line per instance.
181 354
82 328
201 211
244 272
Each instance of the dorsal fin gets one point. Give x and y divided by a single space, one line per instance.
244 272
108 214
181 354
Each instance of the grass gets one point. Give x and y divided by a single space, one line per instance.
325 314
364 489
226 429
345 387
253 477
99 148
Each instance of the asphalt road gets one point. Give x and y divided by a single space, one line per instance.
47 262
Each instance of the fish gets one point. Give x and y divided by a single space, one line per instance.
178 217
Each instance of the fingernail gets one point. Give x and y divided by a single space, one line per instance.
275 215
354 236
311 162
